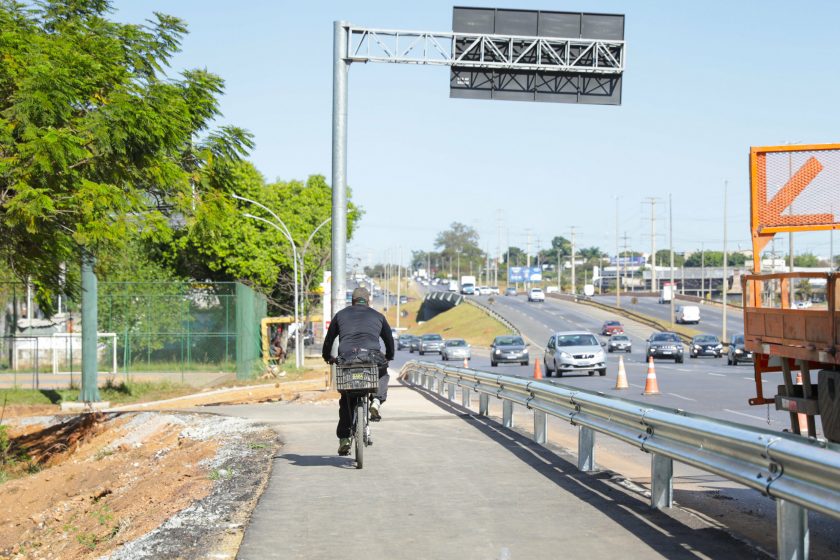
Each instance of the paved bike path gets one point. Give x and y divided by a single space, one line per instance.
440 482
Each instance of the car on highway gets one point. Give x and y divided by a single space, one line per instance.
404 342
536 294
403 300
484 291
494 290
619 343
610 328
430 343
705 345
468 289
509 349
510 291
455 349
737 351
552 290
414 345
687 314
665 345
574 351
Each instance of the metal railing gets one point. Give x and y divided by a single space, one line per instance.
800 474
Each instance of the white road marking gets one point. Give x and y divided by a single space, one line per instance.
715 374
686 369
744 414
682 397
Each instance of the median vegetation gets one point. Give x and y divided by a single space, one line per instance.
463 321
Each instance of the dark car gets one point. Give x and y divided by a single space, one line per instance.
403 300
404 342
508 349
610 328
619 343
665 345
430 343
705 345
737 351
414 345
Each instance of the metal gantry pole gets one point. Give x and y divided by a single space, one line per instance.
341 67
725 271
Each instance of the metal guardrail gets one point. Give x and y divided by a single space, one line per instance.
492 312
801 474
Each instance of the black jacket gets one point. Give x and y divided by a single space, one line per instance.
358 326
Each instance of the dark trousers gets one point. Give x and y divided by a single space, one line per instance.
347 404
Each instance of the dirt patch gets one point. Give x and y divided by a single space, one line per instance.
119 484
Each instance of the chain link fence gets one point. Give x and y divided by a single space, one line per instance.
144 328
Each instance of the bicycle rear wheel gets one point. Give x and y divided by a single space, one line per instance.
359 434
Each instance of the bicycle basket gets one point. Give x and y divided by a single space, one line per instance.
360 377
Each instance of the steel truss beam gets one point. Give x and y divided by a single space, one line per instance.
477 50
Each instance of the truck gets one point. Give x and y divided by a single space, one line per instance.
468 285
666 293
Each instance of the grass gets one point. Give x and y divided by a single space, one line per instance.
112 391
464 321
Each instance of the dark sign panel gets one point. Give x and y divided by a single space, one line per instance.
532 84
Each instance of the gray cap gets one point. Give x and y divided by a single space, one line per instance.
361 296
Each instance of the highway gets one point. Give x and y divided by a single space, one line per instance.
711 315
703 385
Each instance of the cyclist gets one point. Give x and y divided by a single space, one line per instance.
359 328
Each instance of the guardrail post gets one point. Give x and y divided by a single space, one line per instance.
483 403
429 381
586 449
792 535
466 398
451 391
540 427
661 481
507 414
440 386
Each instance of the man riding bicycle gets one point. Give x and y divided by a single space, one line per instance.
359 328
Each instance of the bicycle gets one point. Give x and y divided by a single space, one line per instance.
358 381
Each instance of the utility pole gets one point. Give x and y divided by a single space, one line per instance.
671 242
702 270
725 259
652 201
399 291
617 260
574 284
528 260
626 246
498 247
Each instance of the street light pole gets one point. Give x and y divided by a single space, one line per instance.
725 271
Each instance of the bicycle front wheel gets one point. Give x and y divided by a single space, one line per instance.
359 434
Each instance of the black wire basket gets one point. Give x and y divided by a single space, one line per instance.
358 377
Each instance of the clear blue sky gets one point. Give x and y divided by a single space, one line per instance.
704 82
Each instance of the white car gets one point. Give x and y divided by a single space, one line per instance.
687 314
552 290
484 291
536 294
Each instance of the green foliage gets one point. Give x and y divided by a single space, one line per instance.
714 259
220 243
663 258
459 243
808 260
95 140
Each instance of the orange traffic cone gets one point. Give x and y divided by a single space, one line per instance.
803 418
621 380
537 370
466 363
651 386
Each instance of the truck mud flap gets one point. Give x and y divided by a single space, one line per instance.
829 398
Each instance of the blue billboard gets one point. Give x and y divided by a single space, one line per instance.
524 274
629 261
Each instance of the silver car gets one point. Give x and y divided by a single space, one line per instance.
430 343
574 351
455 349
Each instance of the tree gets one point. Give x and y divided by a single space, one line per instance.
459 242
808 260
559 246
663 258
95 140
591 254
220 243
714 259
517 256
